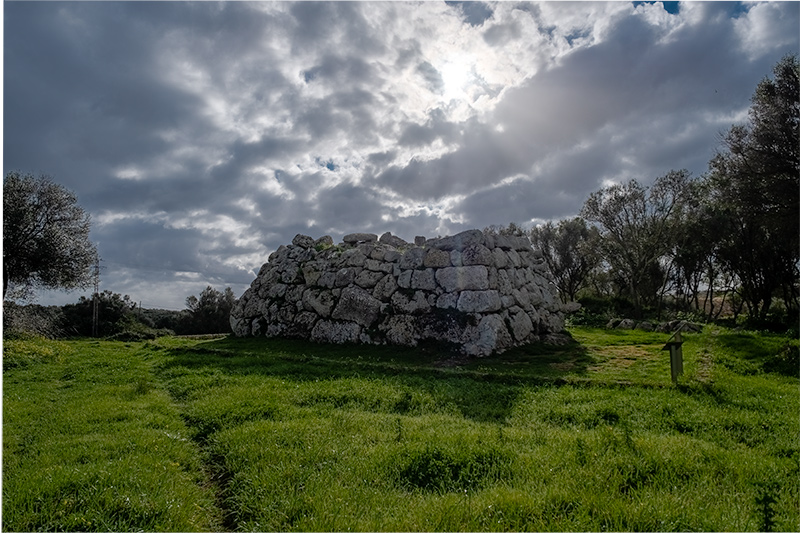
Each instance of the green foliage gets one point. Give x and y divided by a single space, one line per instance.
45 235
755 193
210 312
131 328
264 434
570 251
32 320
637 230
111 309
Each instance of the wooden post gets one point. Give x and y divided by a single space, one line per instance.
675 355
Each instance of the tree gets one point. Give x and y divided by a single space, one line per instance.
636 225
755 189
113 308
695 239
568 251
45 235
210 313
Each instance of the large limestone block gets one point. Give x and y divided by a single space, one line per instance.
278 290
327 279
385 288
402 330
352 258
292 275
321 302
500 258
303 241
413 258
345 277
355 238
514 258
477 254
378 266
522 297
410 305
391 240
492 336
302 325
423 279
404 279
472 278
279 255
521 326
447 300
519 242
335 332
479 301
312 270
459 241
240 326
357 305
367 279
435 258
326 241
392 256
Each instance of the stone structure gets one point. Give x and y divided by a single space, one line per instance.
482 293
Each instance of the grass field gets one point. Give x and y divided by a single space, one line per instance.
257 434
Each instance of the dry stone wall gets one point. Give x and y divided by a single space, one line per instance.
480 292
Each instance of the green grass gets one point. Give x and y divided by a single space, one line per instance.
257 434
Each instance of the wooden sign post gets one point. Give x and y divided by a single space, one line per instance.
675 355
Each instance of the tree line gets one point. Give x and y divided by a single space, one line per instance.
119 317
728 238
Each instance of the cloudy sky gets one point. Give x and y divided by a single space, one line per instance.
201 136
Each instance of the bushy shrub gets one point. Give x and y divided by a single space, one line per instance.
25 320
130 329
786 361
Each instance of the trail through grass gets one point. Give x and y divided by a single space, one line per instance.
199 434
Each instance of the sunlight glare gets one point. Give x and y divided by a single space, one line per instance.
456 75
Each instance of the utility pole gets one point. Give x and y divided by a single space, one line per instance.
96 298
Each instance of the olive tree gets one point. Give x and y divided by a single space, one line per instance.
568 250
755 193
210 313
45 235
637 228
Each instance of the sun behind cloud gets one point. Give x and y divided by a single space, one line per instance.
457 74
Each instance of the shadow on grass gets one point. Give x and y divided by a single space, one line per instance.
484 389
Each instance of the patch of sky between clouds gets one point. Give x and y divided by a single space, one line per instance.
475 13
673 8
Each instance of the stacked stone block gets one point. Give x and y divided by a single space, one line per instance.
481 293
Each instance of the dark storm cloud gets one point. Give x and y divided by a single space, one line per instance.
321 24
541 200
81 89
339 69
437 127
241 155
147 244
